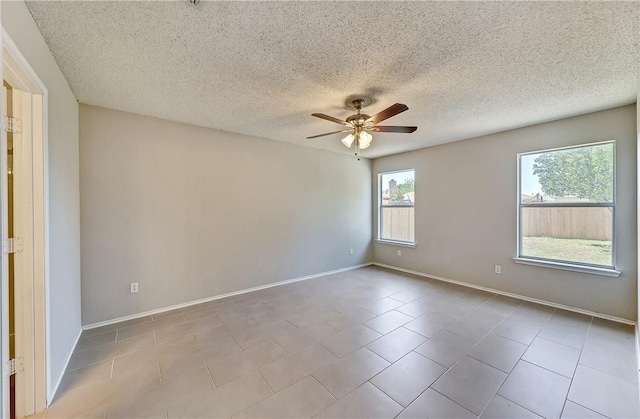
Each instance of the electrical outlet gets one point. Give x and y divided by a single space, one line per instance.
498 269
399 252
351 252
134 288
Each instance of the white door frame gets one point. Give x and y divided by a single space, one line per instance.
36 382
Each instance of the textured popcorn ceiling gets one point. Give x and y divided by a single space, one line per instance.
261 68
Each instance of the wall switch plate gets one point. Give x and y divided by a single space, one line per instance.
134 288
351 252
399 252
498 269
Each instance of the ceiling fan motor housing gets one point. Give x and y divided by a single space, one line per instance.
358 119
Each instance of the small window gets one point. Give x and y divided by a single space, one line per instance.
396 220
567 205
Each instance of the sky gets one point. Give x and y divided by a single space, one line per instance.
528 181
399 177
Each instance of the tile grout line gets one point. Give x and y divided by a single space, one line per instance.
95 346
574 373
500 395
106 359
473 347
269 385
608 374
548 339
273 339
196 341
554 372
287 320
478 341
250 406
519 360
453 401
564 405
325 389
546 369
413 400
242 350
211 376
588 408
109 327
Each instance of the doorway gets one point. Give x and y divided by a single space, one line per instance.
23 198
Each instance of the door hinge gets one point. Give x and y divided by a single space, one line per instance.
14 366
12 245
11 124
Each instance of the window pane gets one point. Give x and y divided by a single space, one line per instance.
397 223
397 197
397 188
582 174
577 234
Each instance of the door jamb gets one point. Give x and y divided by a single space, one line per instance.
16 63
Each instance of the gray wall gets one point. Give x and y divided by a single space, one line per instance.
190 212
63 182
466 213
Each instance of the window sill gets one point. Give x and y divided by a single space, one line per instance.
569 267
396 243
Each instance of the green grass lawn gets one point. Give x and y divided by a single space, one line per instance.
574 250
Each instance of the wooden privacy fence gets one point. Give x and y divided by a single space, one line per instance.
398 223
567 223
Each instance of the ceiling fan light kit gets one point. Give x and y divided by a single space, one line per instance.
359 124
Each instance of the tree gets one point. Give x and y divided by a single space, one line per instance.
586 173
406 187
403 189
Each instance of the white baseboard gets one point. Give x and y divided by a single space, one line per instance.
52 391
508 294
638 355
218 297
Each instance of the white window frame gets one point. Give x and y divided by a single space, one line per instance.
562 264
379 238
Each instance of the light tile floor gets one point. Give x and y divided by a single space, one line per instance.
363 343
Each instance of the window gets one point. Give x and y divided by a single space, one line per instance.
396 218
567 205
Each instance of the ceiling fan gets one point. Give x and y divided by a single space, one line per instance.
359 125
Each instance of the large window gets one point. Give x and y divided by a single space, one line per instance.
396 218
567 204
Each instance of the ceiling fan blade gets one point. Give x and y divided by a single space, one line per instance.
329 118
405 130
388 113
328 133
